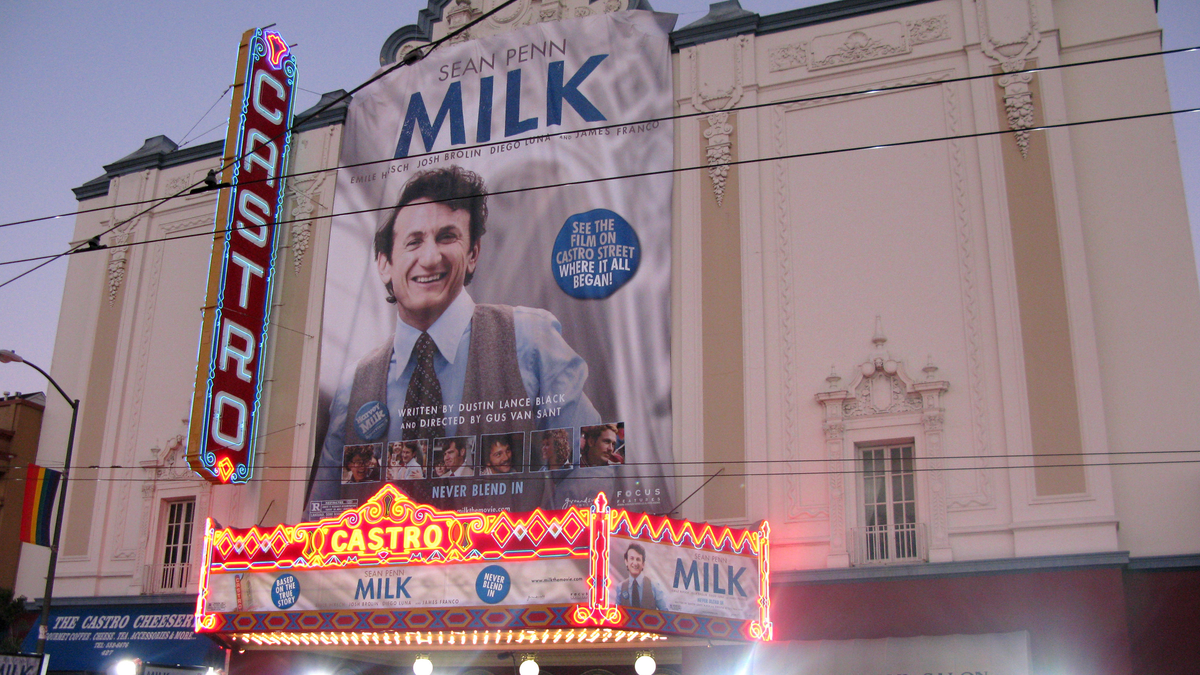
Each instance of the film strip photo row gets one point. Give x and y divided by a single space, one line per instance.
487 455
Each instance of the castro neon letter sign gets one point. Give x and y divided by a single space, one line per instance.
224 424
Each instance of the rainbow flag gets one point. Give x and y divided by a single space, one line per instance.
41 485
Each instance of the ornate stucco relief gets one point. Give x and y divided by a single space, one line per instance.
167 463
719 151
882 393
1009 36
118 258
864 44
716 73
788 56
928 29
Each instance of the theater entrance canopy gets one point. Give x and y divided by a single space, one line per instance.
393 574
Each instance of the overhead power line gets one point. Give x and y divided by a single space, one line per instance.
643 174
705 462
679 116
743 474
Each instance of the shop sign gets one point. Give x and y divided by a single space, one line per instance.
93 638
233 337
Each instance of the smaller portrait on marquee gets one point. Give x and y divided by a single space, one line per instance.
640 586
361 463
407 459
502 454
602 445
551 450
454 457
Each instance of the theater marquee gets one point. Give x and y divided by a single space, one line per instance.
233 332
398 572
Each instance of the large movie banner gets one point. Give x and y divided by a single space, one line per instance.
496 330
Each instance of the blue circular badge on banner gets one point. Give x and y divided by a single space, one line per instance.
492 584
285 591
595 253
371 420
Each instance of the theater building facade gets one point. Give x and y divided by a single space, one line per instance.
893 308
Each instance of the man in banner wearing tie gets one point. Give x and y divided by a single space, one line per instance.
638 590
452 367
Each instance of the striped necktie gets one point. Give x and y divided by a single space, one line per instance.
424 394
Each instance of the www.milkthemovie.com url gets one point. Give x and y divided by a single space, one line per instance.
555 579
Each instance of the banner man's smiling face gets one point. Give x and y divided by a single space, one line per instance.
432 255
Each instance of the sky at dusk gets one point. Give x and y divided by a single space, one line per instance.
86 83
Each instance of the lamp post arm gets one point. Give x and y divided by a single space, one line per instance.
72 402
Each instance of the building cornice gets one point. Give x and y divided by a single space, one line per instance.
160 152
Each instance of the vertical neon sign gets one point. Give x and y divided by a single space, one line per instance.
225 405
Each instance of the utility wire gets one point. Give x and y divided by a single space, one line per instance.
800 155
412 57
183 141
680 116
744 474
1108 453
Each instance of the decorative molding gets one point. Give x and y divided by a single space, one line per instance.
795 511
720 152
304 199
980 495
1011 53
881 390
190 224
181 183
459 14
118 261
721 90
712 95
876 89
1018 106
884 390
788 56
928 29
145 316
864 44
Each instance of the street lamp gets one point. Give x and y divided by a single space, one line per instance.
9 356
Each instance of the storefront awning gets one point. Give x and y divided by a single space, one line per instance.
93 638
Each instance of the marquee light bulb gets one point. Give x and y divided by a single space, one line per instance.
645 665
125 667
529 666
422 666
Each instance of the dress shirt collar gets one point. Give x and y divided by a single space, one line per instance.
446 332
